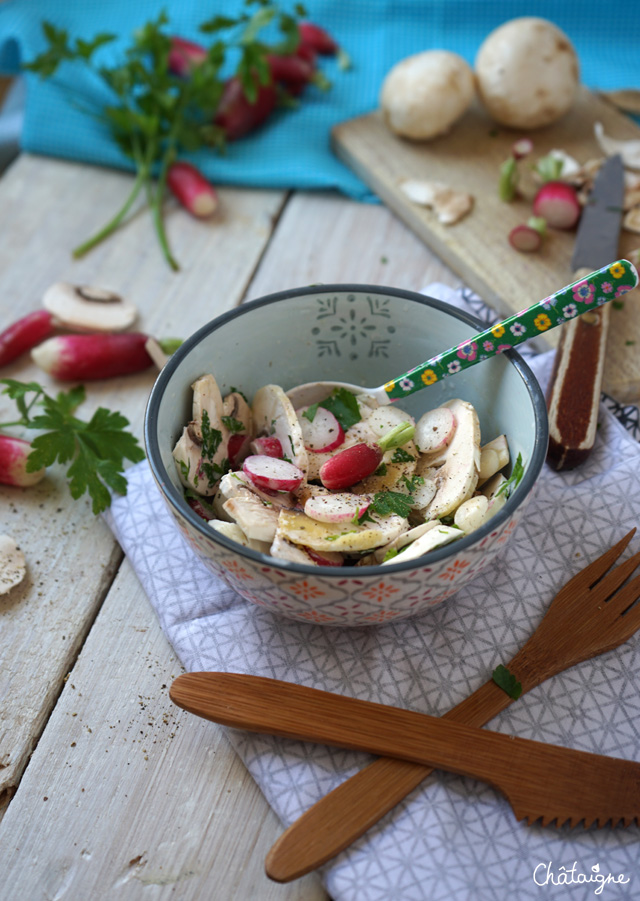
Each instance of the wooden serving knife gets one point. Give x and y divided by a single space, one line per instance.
543 782
573 395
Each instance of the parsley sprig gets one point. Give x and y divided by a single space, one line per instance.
154 115
96 450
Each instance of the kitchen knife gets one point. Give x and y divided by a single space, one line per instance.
573 395
541 782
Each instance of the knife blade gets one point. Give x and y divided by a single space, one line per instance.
541 782
573 394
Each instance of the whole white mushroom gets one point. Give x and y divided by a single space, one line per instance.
424 94
527 73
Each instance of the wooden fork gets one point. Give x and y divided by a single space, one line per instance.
587 617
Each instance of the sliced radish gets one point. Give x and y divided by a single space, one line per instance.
525 239
521 148
321 434
272 473
435 429
325 558
558 203
267 446
336 507
350 466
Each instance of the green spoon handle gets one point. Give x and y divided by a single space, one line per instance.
595 289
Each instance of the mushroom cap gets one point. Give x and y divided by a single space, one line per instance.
13 566
527 73
424 94
88 308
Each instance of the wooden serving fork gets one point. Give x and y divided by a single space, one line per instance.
588 616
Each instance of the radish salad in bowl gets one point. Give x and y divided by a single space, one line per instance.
343 482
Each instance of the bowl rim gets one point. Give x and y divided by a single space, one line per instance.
176 499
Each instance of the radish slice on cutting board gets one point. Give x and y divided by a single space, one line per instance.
270 472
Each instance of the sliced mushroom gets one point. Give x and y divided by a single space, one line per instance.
345 538
456 478
256 519
236 407
471 514
629 150
450 205
202 450
233 531
273 414
285 550
13 566
429 541
188 456
88 308
401 541
494 456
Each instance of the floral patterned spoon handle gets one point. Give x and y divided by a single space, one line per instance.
591 291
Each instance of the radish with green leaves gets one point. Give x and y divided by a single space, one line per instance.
353 464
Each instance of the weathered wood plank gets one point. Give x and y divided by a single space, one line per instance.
126 794
48 207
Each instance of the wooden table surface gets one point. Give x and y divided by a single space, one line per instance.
108 791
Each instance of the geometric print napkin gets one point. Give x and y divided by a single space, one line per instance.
452 839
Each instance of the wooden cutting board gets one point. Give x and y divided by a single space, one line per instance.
477 248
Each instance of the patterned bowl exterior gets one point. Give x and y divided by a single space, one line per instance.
349 596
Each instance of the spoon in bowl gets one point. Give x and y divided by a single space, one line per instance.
589 292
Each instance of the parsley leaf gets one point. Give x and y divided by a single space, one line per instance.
234 425
310 412
96 450
507 682
344 406
514 479
386 502
400 455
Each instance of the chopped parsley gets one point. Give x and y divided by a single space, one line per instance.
391 553
514 479
310 412
381 470
211 439
507 681
238 391
401 456
234 425
386 502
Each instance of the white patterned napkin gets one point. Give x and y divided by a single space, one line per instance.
452 838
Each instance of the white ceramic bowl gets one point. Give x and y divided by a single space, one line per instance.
365 335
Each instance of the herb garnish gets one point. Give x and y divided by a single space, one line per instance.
211 440
514 479
507 681
154 115
234 425
96 450
402 456
344 406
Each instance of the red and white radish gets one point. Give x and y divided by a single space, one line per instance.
271 473
86 357
557 202
184 56
525 239
435 429
24 334
336 507
238 447
291 70
521 148
236 115
268 446
317 38
355 463
191 188
13 463
321 434
325 558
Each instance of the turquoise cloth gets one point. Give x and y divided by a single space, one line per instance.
292 150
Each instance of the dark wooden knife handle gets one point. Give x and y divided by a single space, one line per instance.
573 395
